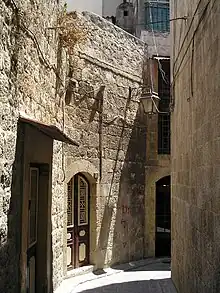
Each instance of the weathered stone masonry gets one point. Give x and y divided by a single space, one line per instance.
28 54
111 132
196 148
107 69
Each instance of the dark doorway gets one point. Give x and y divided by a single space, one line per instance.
163 218
78 222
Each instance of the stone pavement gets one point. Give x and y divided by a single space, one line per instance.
146 276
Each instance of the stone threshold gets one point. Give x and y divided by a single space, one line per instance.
80 271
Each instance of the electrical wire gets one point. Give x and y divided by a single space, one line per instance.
191 23
192 57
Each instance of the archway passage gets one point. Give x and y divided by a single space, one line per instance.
78 222
163 218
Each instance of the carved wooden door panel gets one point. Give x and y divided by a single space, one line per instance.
78 222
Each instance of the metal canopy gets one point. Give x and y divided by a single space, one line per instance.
50 130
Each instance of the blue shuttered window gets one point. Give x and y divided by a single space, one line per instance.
157 15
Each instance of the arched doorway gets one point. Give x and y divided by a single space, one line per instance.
163 217
78 206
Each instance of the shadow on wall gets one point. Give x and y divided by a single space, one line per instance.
12 206
128 234
128 241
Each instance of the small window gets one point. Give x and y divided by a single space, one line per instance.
157 16
125 12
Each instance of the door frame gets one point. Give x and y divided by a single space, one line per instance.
152 175
166 186
75 238
91 172
37 152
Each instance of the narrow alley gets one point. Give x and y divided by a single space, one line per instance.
109 146
149 276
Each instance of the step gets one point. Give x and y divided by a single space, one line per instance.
80 271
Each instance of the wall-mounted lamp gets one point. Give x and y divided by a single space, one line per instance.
150 101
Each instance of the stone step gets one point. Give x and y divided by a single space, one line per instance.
80 271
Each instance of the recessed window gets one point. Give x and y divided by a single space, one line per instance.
157 16
125 12
164 119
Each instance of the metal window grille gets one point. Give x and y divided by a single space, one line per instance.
157 16
164 119
164 134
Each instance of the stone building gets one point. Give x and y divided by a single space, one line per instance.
195 146
103 112
125 16
65 204
31 118
149 20
75 142
103 8
153 29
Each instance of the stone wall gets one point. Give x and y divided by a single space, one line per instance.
28 84
102 111
195 147
107 118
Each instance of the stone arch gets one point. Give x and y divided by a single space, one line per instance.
159 174
85 167
92 175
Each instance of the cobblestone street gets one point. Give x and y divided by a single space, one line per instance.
149 277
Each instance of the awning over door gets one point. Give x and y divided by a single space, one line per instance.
50 130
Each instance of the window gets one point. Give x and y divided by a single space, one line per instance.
157 16
164 119
125 13
82 202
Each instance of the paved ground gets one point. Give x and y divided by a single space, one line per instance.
150 276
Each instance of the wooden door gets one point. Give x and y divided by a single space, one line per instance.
78 222
32 230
